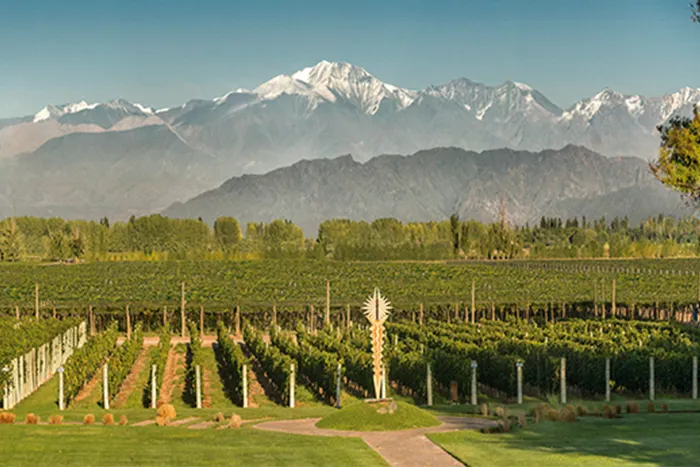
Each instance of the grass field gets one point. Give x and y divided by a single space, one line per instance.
102 446
365 417
635 440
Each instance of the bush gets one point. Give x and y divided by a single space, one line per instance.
123 421
651 408
55 419
32 419
7 418
664 408
236 421
581 410
167 412
89 419
108 419
633 408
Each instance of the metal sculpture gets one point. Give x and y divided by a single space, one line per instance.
377 309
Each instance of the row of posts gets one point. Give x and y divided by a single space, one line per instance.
31 370
562 381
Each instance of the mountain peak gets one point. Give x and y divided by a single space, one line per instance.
354 84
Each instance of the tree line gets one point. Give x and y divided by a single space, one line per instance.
160 238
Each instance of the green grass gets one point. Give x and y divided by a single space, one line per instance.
107 446
362 416
634 440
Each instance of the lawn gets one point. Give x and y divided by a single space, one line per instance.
635 440
102 446
362 416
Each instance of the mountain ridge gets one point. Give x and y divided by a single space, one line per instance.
433 184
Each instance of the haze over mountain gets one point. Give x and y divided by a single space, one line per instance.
433 184
321 111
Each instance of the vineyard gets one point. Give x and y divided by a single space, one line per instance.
285 338
286 291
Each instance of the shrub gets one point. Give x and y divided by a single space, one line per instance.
55 419
664 408
651 408
108 419
633 408
7 418
618 409
167 411
566 415
484 410
162 421
609 411
236 421
89 419
32 419
581 410
219 417
123 421
522 420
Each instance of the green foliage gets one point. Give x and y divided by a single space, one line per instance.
678 165
12 242
497 346
319 368
122 360
231 360
159 357
195 357
277 365
85 362
227 233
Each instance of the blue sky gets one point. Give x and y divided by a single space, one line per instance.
163 53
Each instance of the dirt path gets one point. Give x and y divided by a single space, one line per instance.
170 376
206 388
129 384
402 448
86 391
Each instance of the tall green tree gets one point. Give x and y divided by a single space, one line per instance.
11 241
227 232
678 164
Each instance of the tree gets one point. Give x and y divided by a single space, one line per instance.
678 165
11 241
695 11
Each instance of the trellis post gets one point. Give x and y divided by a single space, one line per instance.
695 377
182 309
607 379
651 379
36 301
473 300
245 386
519 374
562 375
474 366
429 384
154 388
105 386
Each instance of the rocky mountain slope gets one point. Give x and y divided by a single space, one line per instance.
433 184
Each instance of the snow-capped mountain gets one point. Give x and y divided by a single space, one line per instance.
325 110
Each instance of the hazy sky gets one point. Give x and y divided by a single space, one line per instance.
163 53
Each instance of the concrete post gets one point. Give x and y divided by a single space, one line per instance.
61 399
105 386
607 379
519 374
695 377
154 386
245 386
563 380
429 384
473 395
198 388
338 384
292 381
651 379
